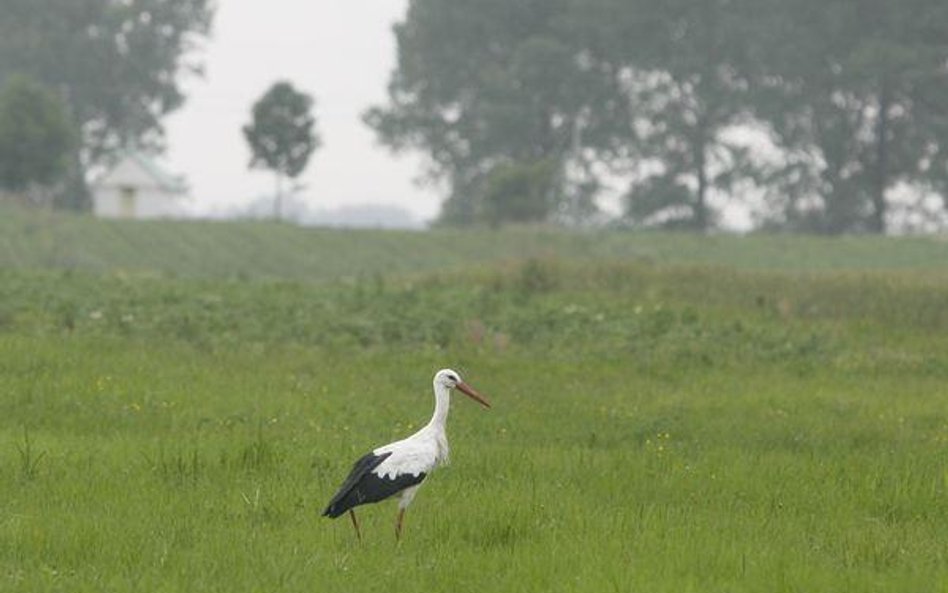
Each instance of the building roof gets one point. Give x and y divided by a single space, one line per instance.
135 168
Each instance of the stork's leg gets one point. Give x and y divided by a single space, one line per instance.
398 524
355 524
404 500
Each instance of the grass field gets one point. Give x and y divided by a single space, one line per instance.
670 413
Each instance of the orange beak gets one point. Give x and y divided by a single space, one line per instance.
472 393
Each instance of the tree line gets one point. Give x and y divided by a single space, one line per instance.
825 116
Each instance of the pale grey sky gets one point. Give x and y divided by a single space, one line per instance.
340 52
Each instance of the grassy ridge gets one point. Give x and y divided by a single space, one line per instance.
265 250
169 423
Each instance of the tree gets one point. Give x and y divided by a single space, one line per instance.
282 135
485 85
860 91
35 136
683 69
115 63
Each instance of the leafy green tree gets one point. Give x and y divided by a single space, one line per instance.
282 135
35 136
482 86
684 68
116 64
859 90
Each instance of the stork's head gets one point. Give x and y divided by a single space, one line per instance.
452 380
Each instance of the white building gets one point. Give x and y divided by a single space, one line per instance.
138 188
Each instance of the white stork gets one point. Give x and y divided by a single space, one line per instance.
400 467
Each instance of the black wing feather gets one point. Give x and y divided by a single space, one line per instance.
362 486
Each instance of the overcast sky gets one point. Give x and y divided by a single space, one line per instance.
341 53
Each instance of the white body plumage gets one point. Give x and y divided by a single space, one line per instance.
423 451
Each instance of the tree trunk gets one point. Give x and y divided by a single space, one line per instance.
881 181
701 170
74 194
278 200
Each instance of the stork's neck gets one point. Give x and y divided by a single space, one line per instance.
442 403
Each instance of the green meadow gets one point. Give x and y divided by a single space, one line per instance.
178 401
